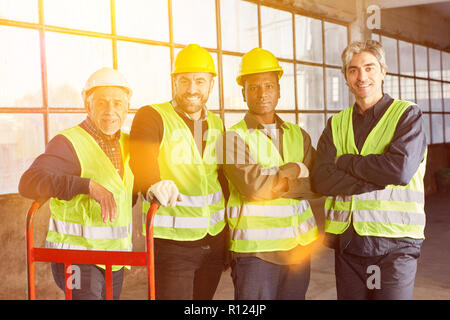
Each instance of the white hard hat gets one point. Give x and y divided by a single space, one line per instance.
106 77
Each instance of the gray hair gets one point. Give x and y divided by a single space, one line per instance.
371 46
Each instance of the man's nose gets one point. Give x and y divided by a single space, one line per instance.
362 75
191 88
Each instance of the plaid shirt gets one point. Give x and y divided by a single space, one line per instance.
109 144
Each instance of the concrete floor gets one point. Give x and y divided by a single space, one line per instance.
432 280
433 274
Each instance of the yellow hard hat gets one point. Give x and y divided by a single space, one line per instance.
258 60
106 77
194 58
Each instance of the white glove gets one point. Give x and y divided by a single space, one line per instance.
304 172
166 192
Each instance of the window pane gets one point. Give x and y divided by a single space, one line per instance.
143 19
23 10
308 39
309 87
376 37
421 58
239 20
406 58
391 86
147 70
447 127
287 88
58 122
276 32
435 63
422 94
21 141
194 21
80 14
426 124
313 124
337 90
446 97
232 92
446 66
289 117
438 134
407 89
335 43
70 61
126 127
436 96
20 85
232 118
390 48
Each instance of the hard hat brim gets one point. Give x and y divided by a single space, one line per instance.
239 77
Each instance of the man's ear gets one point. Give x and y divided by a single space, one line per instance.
211 85
243 93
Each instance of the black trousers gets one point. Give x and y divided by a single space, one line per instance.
92 282
188 273
387 277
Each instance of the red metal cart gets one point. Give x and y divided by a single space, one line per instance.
107 258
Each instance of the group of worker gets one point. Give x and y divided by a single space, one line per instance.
239 197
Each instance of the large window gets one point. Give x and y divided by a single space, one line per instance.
422 75
50 47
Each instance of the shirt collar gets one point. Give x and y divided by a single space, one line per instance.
252 123
203 116
378 109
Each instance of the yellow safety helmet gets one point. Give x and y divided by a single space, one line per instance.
194 58
106 77
258 60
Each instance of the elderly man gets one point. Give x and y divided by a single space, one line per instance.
370 163
85 172
267 163
172 148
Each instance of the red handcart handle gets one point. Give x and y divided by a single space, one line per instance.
107 258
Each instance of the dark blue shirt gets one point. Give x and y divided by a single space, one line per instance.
355 174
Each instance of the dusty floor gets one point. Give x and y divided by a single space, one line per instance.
433 274
432 280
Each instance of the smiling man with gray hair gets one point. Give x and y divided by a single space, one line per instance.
370 164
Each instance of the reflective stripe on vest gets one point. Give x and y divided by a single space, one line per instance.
396 211
76 229
77 223
271 225
202 208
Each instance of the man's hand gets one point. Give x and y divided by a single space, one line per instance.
105 199
165 192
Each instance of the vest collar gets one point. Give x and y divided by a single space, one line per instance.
378 109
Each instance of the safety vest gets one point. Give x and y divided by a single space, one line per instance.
202 209
393 212
77 224
270 225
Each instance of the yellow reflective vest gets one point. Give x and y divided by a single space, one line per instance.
395 211
77 224
202 209
271 225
